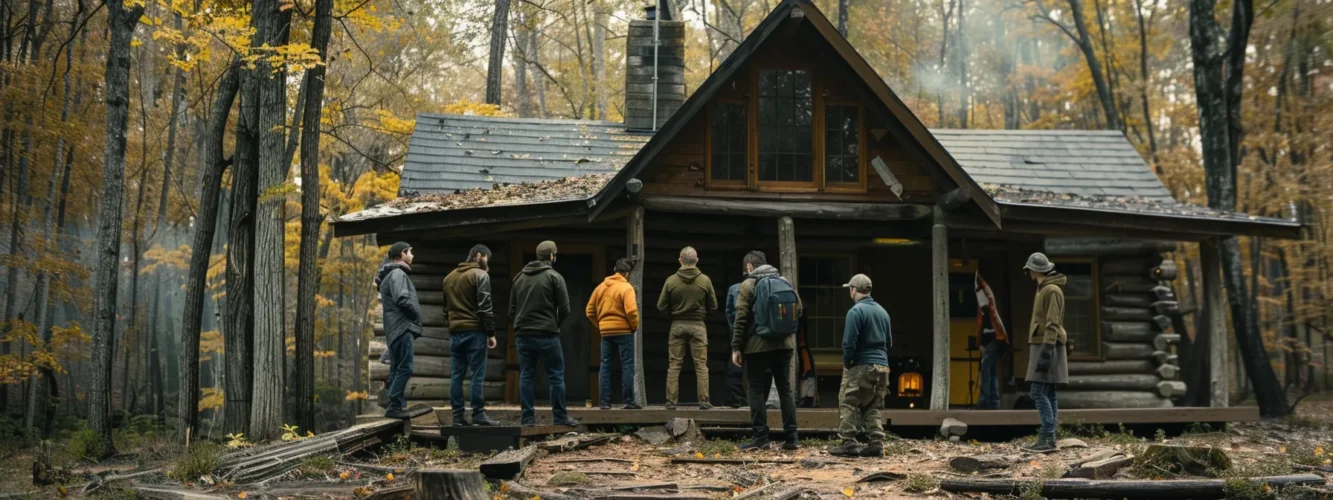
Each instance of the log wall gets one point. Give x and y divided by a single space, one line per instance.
1139 366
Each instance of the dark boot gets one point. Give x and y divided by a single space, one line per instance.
568 421
758 444
848 448
631 406
705 406
874 449
483 420
1042 445
792 444
395 414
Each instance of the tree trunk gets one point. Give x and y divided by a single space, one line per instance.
205 226
495 68
1084 42
534 52
122 22
267 391
521 61
1216 133
960 65
239 327
308 275
842 16
601 16
1145 81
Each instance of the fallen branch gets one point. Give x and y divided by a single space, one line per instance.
513 489
1080 488
378 468
731 461
98 484
586 460
1312 468
772 491
575 443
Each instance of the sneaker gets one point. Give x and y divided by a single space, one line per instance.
483 420
568 421
755 445
631 406
671 406
875 449
847 449
705 406
399 414
791 445
1041 446
605 406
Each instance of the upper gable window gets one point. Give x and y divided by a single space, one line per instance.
728 136
786 117
842 145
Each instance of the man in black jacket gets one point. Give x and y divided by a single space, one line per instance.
402 322
538 304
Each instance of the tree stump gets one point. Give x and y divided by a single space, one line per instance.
444 484
1195 460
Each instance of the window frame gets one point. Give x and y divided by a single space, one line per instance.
709 181
1096 298
862 148
814 300
816 108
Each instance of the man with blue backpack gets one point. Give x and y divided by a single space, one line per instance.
764 337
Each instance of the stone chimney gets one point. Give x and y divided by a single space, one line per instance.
639 59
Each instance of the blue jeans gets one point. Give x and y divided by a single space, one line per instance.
467 351
624 345
990 381
1043 395
399 371
544 348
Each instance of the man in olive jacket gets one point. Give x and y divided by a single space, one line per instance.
766 361
1048 360
467 296
402 322
538 304
688 296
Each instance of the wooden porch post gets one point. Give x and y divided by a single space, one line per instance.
634 250
1215 306
939 273
787 259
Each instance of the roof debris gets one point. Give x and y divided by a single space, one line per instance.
1019 195
576 187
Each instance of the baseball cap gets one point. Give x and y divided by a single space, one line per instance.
860 282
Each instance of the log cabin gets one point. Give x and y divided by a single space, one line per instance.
795 146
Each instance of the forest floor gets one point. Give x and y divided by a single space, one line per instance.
1301 443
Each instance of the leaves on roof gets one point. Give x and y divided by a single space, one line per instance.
1014 194
567 188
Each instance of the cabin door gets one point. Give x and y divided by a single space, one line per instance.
583 268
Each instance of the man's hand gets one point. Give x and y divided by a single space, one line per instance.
490 342
736 358
1045 358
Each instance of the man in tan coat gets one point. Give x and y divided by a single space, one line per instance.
1048 359
688 297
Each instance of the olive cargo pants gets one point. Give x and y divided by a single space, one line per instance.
859 401
695 334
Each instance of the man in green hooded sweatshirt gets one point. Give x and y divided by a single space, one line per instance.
688 297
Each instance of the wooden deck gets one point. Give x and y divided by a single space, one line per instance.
827 418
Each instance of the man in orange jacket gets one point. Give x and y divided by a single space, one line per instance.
614 310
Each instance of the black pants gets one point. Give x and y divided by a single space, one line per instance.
736 385
765 369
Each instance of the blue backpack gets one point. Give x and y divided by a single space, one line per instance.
775 307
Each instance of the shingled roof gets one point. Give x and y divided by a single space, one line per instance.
1084 163
450 153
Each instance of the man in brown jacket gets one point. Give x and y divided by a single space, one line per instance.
688 297
1048 360
468 303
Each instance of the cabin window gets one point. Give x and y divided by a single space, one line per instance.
1081 323
727 136
786 116
820 280
842 146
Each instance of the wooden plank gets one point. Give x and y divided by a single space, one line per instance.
439 366
939 268
788 261
635 248
509 464
1210 259
808 210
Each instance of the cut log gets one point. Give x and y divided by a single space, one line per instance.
439 366
1168 372
1164 341
1171 388
437 389
1194 460
1166 307
1127 284
1127 299
422 346
1151 489
509 464
443 484
1110 367
970 464
1131 266
1163 322
1126 314
1166 271
1166 358
1100 469
576 442
1127 331
1164 292
1121 351
1112 399
1114 382
952 427
1106 247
